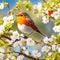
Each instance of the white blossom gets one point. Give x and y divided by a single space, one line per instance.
59 49
20 57
58 11
15 35
36 54
8 19
54 47
1 56
55 15
16 44
1 29
10 56
30 42
24 48
22 42
1 6
49 53
38 6
27 52
11 17
56 28
46 39
52 38
45 20
2 49
22 35
34 6
46 49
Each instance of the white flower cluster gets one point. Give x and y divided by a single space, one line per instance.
7 20
1 6
21 41
56 28
47 40
20 57
36 54
56 14
2 29
45 20
38 6
10 56
46 15
45 49
53 47
2 50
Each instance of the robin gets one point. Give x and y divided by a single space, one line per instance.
26 25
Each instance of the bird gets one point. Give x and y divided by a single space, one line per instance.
26 25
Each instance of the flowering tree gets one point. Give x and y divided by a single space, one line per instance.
17 46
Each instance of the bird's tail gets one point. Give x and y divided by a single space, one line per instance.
44 35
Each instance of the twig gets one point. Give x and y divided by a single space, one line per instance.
31 57
6 37
21 53
44 0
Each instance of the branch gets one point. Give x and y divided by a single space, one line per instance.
44 0
25 37
31 57
6 37
21 53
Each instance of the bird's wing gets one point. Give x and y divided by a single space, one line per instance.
32 24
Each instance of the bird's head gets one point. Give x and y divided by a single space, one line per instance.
21 18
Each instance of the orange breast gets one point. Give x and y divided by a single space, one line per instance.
22 20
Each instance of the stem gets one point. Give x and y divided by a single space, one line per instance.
6 37
44 0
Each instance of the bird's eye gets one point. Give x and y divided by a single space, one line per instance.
21 15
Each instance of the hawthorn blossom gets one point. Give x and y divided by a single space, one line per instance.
45 49
58 11
8 19
45 39
52 38
45 20
16 44
15 35
55 15
56 28
27 52
30 42
1 6
49 53
1 56
20 57
2 50
10 56
36 54
9 42
54 47
22 42
2 29
59 49
38 6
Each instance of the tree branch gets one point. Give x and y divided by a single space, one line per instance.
44 0
31 57
21 53
6 37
